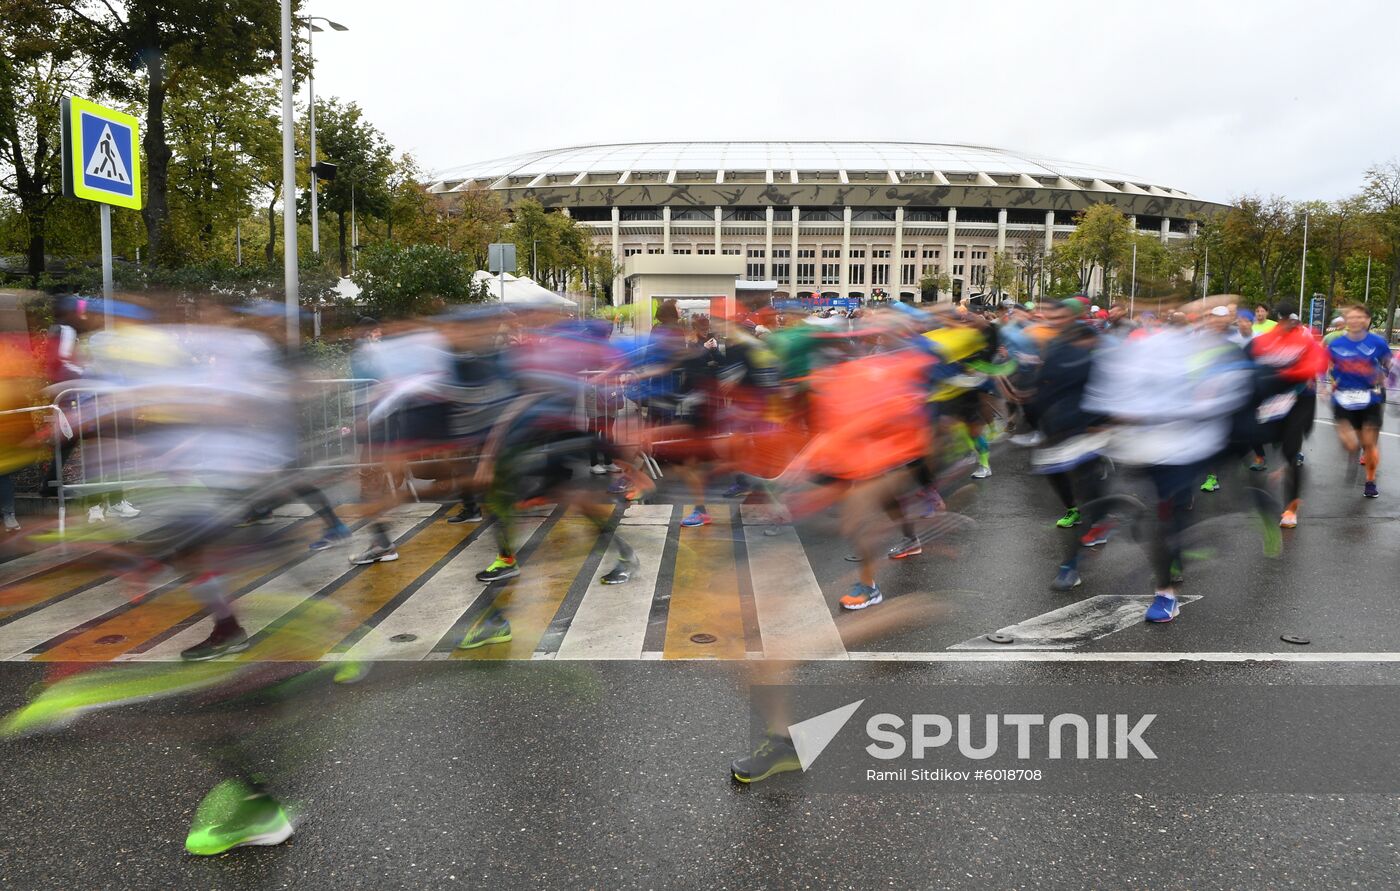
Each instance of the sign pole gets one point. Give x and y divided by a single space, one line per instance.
289 186
107 286
1303 264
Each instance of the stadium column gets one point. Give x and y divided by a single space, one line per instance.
948 247
666 230
897 255
845 251
768 244
1166 228
1001 231
792 257
1049 232
617 254
719 225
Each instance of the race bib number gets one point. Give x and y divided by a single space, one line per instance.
1276 407
1353 400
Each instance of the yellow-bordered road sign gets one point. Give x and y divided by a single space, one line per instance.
101 154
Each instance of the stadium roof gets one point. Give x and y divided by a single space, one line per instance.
892 158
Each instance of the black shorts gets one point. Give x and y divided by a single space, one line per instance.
965 407
1362 418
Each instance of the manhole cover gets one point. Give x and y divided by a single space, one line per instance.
1295 639
852 558
111 639
703 638
404 638
1001 638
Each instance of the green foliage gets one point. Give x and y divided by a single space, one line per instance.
365 166
398 281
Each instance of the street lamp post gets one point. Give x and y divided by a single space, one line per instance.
1303 265
289 186
311 109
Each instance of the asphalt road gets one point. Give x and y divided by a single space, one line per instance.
547 772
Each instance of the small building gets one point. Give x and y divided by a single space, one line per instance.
651 278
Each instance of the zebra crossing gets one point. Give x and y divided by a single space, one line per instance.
737 589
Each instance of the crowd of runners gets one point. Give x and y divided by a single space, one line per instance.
885 418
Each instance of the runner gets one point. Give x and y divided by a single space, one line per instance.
1360 361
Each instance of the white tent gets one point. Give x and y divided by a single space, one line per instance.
520 290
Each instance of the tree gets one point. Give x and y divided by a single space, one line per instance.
935 280
168 40
37 68
1262 229
365 166
1004 276
1101 239
398 281
1381 194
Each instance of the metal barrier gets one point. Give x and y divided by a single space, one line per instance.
57 424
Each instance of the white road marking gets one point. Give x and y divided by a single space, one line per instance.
432 610
19 636
1074 625
270 601
1072 656
1334 423
611 620
794 619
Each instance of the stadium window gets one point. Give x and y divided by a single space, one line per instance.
880 254
780 253
806 273
857 254
831 253
906 274
754 272
909 254
680 250
957 269
756 253
957 255
930 254
655 250
880 274
780 272
855 274
806 253
730 251
631 252
704 250
831 273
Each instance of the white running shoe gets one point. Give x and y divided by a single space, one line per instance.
11 524
1028 440
95 514
597 470
982 472
123 509
612 468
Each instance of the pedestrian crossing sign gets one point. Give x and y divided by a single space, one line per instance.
101 158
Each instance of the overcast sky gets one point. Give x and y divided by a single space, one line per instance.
1217 98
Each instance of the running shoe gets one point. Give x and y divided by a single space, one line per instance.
1259 465
1070 519
336 536
227 637
95 514
861 596
612 468
1067 579
910 547
696 518
619 487
982 472
1298 460
124 510
256 819
376 554
467 514
621 573
11 523
1289 519
1097 535
492 629
598 470
932 503
1028 440
738 490
1164 608
1211 484
351 671
1369 492
774 755
500 568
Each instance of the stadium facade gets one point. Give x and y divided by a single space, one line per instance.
856 219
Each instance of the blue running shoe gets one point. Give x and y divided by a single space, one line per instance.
738 490
696 518
1163 609
1067 579
334 538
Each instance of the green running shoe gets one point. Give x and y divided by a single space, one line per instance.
774 755
500 568
1211 484
232 816
492 629
1071 518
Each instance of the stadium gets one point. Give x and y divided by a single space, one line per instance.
833 219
